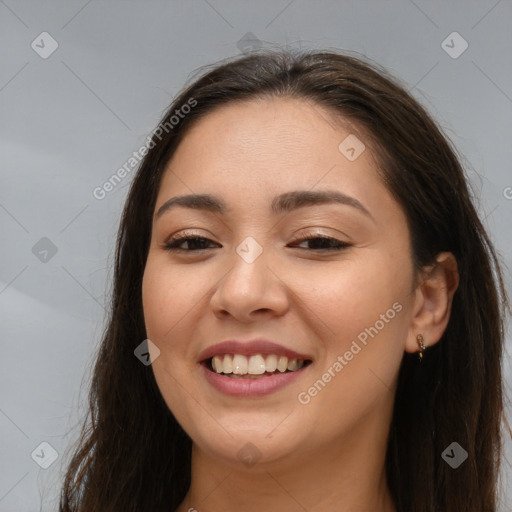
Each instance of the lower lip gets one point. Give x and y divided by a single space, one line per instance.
251 387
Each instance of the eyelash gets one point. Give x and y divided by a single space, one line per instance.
172 245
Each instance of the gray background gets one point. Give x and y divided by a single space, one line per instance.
70 120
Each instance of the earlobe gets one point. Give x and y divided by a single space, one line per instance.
433 302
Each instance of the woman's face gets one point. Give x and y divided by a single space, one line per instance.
343 306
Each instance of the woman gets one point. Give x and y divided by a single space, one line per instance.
307 312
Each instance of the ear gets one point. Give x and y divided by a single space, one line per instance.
433 301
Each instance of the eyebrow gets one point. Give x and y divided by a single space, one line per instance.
283 203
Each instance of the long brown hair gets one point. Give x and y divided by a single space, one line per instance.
132 454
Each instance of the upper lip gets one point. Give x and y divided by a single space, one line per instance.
249 348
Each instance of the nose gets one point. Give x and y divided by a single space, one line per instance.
250 290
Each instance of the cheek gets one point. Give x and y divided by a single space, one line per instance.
364 306
167 296
349 296
174 305
373 304
154 301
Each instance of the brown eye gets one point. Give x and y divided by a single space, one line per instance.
195 243
320 243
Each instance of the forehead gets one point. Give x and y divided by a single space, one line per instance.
269 143
287 126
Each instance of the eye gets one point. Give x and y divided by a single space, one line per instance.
199 242
323 243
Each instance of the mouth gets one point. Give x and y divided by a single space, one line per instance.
257 366
252 369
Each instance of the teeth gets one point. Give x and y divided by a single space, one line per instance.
227 364
282 364
293 364
254 365
271 363
217 363
240 365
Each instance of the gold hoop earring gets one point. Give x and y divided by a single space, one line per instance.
421 344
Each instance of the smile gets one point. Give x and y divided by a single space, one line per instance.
240 366
252 376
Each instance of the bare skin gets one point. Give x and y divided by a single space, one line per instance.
321 454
